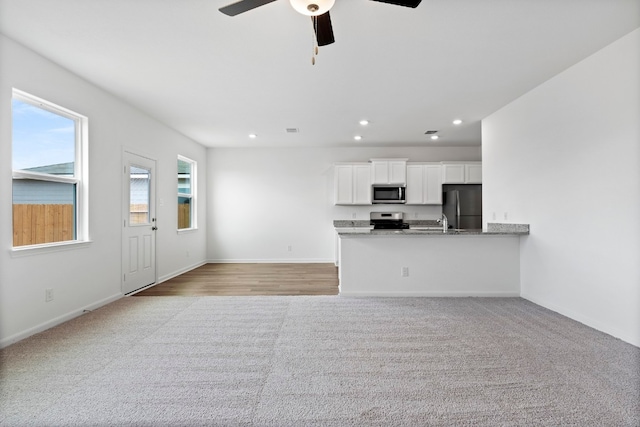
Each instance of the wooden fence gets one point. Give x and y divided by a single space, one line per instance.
139 214
184 215
36 224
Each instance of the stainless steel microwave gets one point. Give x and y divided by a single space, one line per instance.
389 194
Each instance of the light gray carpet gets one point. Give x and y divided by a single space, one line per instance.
320 361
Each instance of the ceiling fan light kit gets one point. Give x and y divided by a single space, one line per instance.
312 7
318 10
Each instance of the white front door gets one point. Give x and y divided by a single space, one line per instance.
139 223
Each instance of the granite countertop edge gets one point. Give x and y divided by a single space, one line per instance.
493 229
409 233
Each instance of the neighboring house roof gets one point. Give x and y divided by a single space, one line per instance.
184 168
58 169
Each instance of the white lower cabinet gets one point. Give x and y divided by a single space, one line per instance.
352 184
424 184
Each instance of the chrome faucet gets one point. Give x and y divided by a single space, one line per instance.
445 223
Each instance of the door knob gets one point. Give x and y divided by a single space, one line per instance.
154 228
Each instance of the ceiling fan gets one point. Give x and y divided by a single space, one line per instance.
318 10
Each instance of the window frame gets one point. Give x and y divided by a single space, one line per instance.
80 178
192 196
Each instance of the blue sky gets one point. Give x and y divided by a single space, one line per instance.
40 137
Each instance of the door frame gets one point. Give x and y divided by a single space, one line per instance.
124 214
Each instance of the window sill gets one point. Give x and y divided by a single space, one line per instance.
21 251
187 230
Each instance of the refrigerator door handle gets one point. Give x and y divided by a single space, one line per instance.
457 209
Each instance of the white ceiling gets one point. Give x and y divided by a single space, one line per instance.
217 79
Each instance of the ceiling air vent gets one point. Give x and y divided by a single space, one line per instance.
293 130
430 132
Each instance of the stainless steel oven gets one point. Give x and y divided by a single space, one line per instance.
388 221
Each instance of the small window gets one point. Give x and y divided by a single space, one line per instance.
49 184
186 193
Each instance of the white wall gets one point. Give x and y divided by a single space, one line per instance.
87 276
261 201
565 158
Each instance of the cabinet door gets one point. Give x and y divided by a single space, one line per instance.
397 172
415 184
380 172
362 185
433 184
343 176
453 173
473 173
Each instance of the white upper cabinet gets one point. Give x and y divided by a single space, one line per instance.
389 171
361 184
462 173
433 185
453 173
424 184
473 173
352 184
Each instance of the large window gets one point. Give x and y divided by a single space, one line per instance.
186 193
49 172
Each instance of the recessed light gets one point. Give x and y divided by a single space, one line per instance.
357 137
253 136
364 122
434 137
457 122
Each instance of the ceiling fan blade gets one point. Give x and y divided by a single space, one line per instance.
407 3
243 6
324 30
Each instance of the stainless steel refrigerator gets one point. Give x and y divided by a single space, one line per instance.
462 204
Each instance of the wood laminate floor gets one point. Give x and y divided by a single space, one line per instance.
251 279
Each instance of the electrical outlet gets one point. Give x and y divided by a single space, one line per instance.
48 295
493 216
187 254
354 215
506 215
404 272
289 248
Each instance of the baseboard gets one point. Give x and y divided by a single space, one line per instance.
273 261
57 321
432 294
179 272
585 320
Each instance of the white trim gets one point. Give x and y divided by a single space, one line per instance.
38 176
192 196
273 261
460 294
144 288
51 107
81 161
179 272
186 230
18 251
585 320
57 321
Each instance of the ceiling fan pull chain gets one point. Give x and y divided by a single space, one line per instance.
314 52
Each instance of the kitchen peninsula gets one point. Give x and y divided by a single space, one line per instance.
416 262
